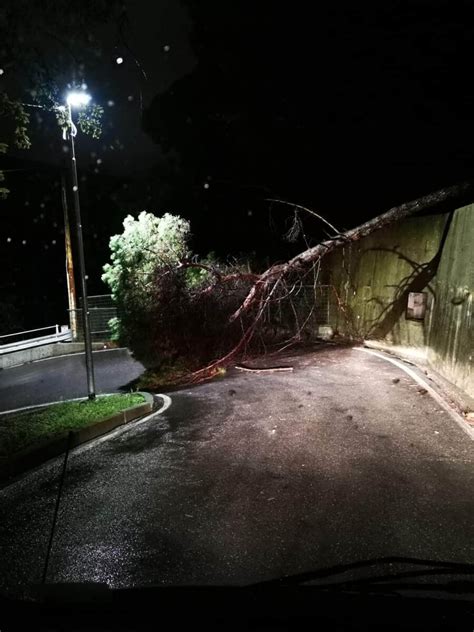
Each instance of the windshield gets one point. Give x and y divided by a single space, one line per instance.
236 330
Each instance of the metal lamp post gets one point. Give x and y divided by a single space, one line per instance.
76 99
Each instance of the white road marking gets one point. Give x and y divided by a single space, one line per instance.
459 419
167 401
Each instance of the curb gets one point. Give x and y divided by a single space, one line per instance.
32 457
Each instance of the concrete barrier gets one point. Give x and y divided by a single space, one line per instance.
15 358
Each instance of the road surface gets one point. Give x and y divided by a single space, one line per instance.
252 477
65 377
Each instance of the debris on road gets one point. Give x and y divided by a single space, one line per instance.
274 369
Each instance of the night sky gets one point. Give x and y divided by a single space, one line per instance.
217 106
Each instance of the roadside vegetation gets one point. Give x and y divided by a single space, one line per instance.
24 430
175 308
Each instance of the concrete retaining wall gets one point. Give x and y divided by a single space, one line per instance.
373 277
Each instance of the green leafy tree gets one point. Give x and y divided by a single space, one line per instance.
172 306
149 249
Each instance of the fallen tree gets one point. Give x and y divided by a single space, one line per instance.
203 315
263 288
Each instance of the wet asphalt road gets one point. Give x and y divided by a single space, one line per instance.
65 377
253 477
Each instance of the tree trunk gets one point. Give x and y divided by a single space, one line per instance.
311 255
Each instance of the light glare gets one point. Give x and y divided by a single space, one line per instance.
76 99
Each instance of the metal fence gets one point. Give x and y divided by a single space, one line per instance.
29 338
304 310
320 296
310 304
101 310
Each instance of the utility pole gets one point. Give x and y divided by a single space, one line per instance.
71 284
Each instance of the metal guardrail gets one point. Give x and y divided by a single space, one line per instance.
61 334
30 331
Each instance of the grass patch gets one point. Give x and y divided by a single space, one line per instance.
23 430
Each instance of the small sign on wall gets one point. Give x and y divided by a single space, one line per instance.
416 306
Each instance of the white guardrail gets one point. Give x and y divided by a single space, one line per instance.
61 333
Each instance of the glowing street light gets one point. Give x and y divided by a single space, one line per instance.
78 99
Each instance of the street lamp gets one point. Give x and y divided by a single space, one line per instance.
78 99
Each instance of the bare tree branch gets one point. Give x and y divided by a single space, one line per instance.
308 210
